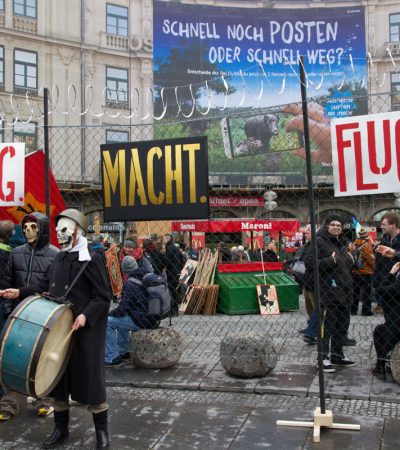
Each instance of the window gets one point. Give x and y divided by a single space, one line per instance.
395 88
117 87
113 136
25 70
1 5
394 25
117 20
25 8
1 65
26 132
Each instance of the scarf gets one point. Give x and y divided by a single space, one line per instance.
82 247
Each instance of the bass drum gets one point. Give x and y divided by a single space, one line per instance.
35 346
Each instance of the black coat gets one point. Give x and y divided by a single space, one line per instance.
84 376
135 302
335 279
28 266
383 264
173 260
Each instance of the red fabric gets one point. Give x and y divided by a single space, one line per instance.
35 194
249 267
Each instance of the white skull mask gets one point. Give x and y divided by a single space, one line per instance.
65 233
31 231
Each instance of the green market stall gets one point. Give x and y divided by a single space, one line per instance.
237 281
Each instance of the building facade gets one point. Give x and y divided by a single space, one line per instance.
96 57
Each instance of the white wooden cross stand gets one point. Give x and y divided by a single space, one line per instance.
320 420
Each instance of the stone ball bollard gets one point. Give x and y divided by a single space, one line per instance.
248 354
395 363
156 349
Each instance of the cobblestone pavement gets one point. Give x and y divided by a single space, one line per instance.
281 402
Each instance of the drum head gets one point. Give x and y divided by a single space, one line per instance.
53 354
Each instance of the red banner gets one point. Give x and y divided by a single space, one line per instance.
35 194
235 202
237 225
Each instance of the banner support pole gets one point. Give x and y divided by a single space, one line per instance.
322 417
46 151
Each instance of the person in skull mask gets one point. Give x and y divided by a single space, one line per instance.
26 274
83 379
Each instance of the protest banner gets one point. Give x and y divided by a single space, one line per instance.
366 154
12 174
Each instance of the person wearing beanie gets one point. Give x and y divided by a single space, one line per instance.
363 270
130 315
335 293
132 248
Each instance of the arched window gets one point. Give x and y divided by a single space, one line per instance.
347 217
277 214
378 215
222 214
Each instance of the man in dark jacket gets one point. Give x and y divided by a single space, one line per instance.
335 295
174 265
131 314
387 335
84 376
390 224
27 273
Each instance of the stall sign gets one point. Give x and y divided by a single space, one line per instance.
237 225
236 202
154 180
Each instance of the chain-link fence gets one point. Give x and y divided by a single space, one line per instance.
262 279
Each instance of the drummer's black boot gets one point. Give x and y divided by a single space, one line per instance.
100 424
60 432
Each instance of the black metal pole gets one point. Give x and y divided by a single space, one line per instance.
46 151
313 231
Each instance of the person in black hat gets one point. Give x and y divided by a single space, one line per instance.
336 287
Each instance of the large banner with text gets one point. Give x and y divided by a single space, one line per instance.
154 180
209 59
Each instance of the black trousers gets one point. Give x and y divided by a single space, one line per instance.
362 292
173 285
387 335
335 324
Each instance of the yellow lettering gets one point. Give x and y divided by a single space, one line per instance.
111 174
173 175
136 179
191 148
154 199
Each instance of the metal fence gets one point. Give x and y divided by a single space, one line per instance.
252 156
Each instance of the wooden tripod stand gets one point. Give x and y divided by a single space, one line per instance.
320 420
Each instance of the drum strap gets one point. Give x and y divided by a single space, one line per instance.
82 268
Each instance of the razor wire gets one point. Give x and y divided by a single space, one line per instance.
241 179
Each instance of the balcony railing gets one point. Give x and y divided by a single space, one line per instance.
114 41
25 25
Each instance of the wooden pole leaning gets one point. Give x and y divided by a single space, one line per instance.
322 417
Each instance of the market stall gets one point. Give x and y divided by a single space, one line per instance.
237 281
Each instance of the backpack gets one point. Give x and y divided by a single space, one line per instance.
358 262
158 294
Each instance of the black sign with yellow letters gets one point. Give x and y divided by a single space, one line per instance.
155 180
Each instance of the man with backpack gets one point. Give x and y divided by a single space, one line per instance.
363 269
131 314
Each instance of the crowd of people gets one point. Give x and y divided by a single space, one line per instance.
348 275
351 276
